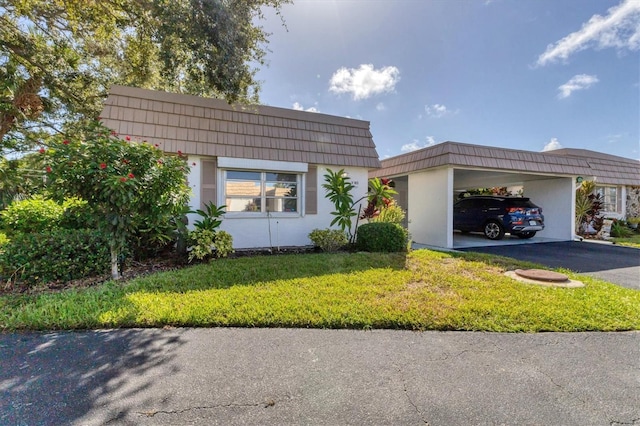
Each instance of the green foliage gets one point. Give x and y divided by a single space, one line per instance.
3 240
20 178
380 195
57 255
382 237
32 215
223 244
133 189
392 213
588 205
58 58
210 217
329 240
38 214
620 229
205 243
201 243
338 188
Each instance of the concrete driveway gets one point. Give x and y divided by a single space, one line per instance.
617 264
318 377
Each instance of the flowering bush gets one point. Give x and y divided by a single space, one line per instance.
133 189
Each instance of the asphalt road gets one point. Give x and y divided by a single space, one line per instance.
617 264
318 377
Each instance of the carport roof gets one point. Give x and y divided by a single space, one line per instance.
607 168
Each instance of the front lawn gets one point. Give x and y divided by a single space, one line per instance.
420 290
632 241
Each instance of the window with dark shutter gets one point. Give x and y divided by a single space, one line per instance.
208 188
311 191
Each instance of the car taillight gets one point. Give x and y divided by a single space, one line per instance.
515 210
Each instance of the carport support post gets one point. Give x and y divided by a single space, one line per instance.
557 197
430 199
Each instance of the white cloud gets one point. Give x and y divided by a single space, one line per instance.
298 107
577 82
619 29
381 107
415 144
552 145
438 111
364 81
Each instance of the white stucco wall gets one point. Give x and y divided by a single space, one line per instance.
556 197
277 230
430 207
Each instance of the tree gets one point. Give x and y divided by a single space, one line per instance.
129 186
58 58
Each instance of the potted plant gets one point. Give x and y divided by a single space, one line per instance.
633 222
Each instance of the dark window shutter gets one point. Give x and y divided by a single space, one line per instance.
208 183
311 191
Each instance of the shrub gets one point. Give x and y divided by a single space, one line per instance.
619 229
223 244
205 242
57 255
3 240
382 237
329 240
38 214
392 214
32 215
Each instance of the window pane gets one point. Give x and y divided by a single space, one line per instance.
247 188
281 189
282 204
281 177
243 204
243 175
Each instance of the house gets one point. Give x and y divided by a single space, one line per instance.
617 180
428 181
265 164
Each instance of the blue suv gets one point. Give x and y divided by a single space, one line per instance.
495 216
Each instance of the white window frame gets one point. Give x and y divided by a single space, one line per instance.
602 190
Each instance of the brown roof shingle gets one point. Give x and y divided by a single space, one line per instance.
204 126
608 169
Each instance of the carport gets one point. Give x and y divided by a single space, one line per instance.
428 181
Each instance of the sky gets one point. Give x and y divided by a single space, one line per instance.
522 74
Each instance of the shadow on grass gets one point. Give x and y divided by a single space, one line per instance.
58 378
227 273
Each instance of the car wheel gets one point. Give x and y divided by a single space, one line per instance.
526 235
493 230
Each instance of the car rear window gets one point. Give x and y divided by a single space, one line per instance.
520 202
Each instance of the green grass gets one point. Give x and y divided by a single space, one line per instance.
420 290
633 241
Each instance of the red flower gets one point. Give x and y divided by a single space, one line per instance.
179 153
41 151
156 145
125 161
103 166
127 138
123 179
65 142
131 176
48 169
113 133
193 164
385 181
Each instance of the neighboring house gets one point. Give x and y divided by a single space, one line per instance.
429 180
265 164
617 180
